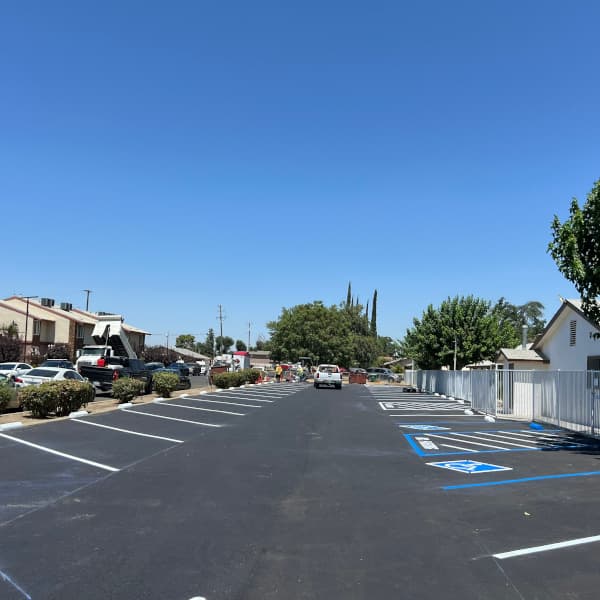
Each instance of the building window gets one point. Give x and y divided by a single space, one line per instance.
79 333
37 327
572 333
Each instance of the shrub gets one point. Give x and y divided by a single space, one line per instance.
58 397
6 394
126 389
252 375
235 379
164 383
72 395
41 400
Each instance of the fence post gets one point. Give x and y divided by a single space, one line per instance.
533 395
558 396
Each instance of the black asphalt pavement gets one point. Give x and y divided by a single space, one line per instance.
302 494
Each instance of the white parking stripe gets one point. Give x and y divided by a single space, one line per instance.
259 394
535 549
145 414
478 437
233 398
503 437
223 412
57 453
223 402
443 437
459 448
156 437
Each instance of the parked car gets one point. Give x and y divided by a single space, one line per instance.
153 366
181 366
60 363
195 368
43 374
12 369
184 380
384 374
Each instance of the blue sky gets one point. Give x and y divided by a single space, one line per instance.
174 156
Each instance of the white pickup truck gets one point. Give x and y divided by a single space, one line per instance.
328 375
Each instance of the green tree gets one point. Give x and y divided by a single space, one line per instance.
349 295
325 334
186 340
374 315
207 347
511 319
240 346
468 320
224 343
575 248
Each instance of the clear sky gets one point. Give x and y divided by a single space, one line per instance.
174 156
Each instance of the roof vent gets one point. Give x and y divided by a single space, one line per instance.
47 302
66 306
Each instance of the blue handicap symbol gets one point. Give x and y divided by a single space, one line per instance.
469 466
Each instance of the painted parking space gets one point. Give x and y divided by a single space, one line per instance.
30 479
108 447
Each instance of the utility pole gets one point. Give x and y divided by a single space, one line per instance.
87 299
455 346
249 326
220 318
28 298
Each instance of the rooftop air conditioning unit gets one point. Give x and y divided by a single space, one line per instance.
47 302
66 306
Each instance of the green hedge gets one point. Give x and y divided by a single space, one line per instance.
126 389
6 394
55 397
235 379
164 383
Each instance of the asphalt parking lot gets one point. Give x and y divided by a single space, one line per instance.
283 491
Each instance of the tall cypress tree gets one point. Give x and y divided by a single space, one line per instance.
374 315
349 295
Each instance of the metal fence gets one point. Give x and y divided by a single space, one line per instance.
569 399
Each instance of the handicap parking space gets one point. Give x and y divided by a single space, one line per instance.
524 495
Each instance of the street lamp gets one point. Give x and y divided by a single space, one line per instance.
28 298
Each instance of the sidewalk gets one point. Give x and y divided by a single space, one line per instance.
102 404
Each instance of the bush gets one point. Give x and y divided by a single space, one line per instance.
58 397
253 375
235 379
6 394
72 395
126 389
164 383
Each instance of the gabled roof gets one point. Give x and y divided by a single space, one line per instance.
575 306
190 353
522 354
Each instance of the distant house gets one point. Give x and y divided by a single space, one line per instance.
524 357
260 358
191 355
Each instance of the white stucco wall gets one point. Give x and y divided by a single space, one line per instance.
556 346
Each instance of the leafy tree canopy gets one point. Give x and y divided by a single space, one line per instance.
469 321
336 334
240 346
186 340
575 248
224 343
